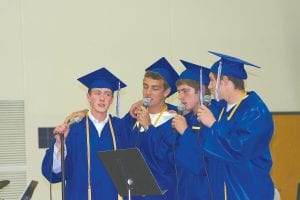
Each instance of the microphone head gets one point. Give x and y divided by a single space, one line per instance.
146 101
206 100
180 109
75 120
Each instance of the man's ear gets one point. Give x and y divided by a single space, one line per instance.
88 97
225 80
112 99
167 92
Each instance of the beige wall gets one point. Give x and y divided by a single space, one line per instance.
46 44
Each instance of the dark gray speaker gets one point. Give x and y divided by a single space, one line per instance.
45 135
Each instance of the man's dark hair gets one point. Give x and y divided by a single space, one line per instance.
157 76
237 82
192 83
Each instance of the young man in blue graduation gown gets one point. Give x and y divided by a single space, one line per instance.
186 153
104 132
193 178
238 134
158 84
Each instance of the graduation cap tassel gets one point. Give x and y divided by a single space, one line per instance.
200 87
218 80
118 100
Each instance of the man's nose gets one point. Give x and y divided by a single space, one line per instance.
180 96
102 96
210 86
148 91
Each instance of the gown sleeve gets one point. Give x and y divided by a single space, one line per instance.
243 137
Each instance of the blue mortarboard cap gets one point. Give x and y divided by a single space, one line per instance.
230 66
193 72
101 78
165 69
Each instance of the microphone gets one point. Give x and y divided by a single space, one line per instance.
206 100
74 120
146 101
180 110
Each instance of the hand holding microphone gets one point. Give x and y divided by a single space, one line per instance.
142 114
179 122
134 107
78 115
206 100
180 109
64 128
146 102
205 116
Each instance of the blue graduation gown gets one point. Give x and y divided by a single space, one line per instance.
161 168
194 182
76 161
240 149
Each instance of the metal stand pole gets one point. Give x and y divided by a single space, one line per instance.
129 195
129 182
62 153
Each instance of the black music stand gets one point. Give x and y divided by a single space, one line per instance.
29 190
130 173
4 183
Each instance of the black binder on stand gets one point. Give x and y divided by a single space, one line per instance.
130 173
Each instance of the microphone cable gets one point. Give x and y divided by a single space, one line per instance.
180 110
206 102
175 167
51 164
205 166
